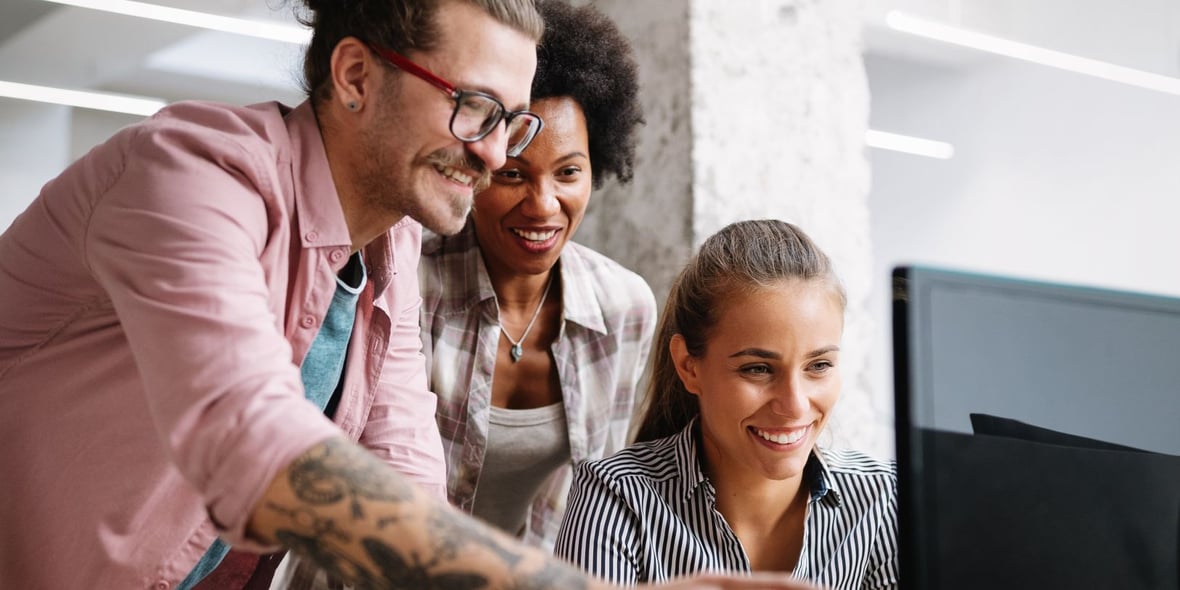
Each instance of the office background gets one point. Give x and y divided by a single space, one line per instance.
762 108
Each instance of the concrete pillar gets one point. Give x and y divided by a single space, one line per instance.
755 109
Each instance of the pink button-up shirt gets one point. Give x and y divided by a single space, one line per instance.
155 303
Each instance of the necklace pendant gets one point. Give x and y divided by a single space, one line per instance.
516 352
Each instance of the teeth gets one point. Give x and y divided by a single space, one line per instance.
782 438
454 174
535 236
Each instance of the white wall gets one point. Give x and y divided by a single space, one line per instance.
754 109
39 141
1056 176
33 149
90 128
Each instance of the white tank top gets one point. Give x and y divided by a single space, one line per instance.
524 448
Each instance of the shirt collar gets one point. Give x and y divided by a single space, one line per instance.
692 476
819 478
579 303
381 260
320 217
816 474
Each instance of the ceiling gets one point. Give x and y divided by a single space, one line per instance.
50 44
1142 35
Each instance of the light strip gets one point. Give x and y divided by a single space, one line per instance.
240 26
905 23
116 103
119 103
132 105
909 144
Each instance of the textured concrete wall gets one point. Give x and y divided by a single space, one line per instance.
648 224
755 108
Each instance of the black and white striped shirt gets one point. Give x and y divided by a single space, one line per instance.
648 514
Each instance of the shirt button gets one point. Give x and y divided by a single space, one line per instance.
307 321
161 585
312 236
336 255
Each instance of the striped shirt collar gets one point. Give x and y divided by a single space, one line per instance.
692 477
472 286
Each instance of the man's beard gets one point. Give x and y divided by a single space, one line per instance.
463 161
387 185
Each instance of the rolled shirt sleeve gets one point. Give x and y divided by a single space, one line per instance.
176 242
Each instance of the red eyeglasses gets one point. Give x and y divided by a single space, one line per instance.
476 113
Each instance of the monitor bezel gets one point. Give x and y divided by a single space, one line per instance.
911 287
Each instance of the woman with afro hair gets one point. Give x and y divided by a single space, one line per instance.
535 344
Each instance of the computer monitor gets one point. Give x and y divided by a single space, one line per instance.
1038 434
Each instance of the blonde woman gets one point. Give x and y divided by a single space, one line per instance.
727 475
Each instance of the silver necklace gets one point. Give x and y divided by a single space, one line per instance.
517 350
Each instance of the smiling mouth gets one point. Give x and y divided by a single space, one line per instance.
455 175
781 438
535 236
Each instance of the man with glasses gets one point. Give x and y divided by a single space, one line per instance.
205 315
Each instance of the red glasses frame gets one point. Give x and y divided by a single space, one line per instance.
513 119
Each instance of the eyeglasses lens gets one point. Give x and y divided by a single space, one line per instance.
474 116
521 130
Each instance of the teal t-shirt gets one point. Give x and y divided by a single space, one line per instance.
321 371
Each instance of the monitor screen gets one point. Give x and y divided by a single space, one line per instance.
1038 430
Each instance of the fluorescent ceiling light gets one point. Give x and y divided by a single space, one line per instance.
1047 57
116 103
133 105
273 31
908 144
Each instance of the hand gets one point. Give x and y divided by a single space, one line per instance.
757 581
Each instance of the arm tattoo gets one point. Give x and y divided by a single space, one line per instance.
555 574
307 520
452 534
399 540
416 574
335 470
329 558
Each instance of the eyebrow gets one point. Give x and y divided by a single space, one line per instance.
771 355
758 352
569 156
509 109
492 93
823 351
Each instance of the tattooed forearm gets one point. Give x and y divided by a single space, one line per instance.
329 558
352 515
415 574
451 535
337 470
554 574
311 523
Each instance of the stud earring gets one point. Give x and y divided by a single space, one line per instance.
352 106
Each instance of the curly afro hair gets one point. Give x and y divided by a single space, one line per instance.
584 56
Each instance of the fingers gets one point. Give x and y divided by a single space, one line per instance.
756 581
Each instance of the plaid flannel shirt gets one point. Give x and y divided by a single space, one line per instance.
608 318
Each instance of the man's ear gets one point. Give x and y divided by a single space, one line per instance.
353 74
686 364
